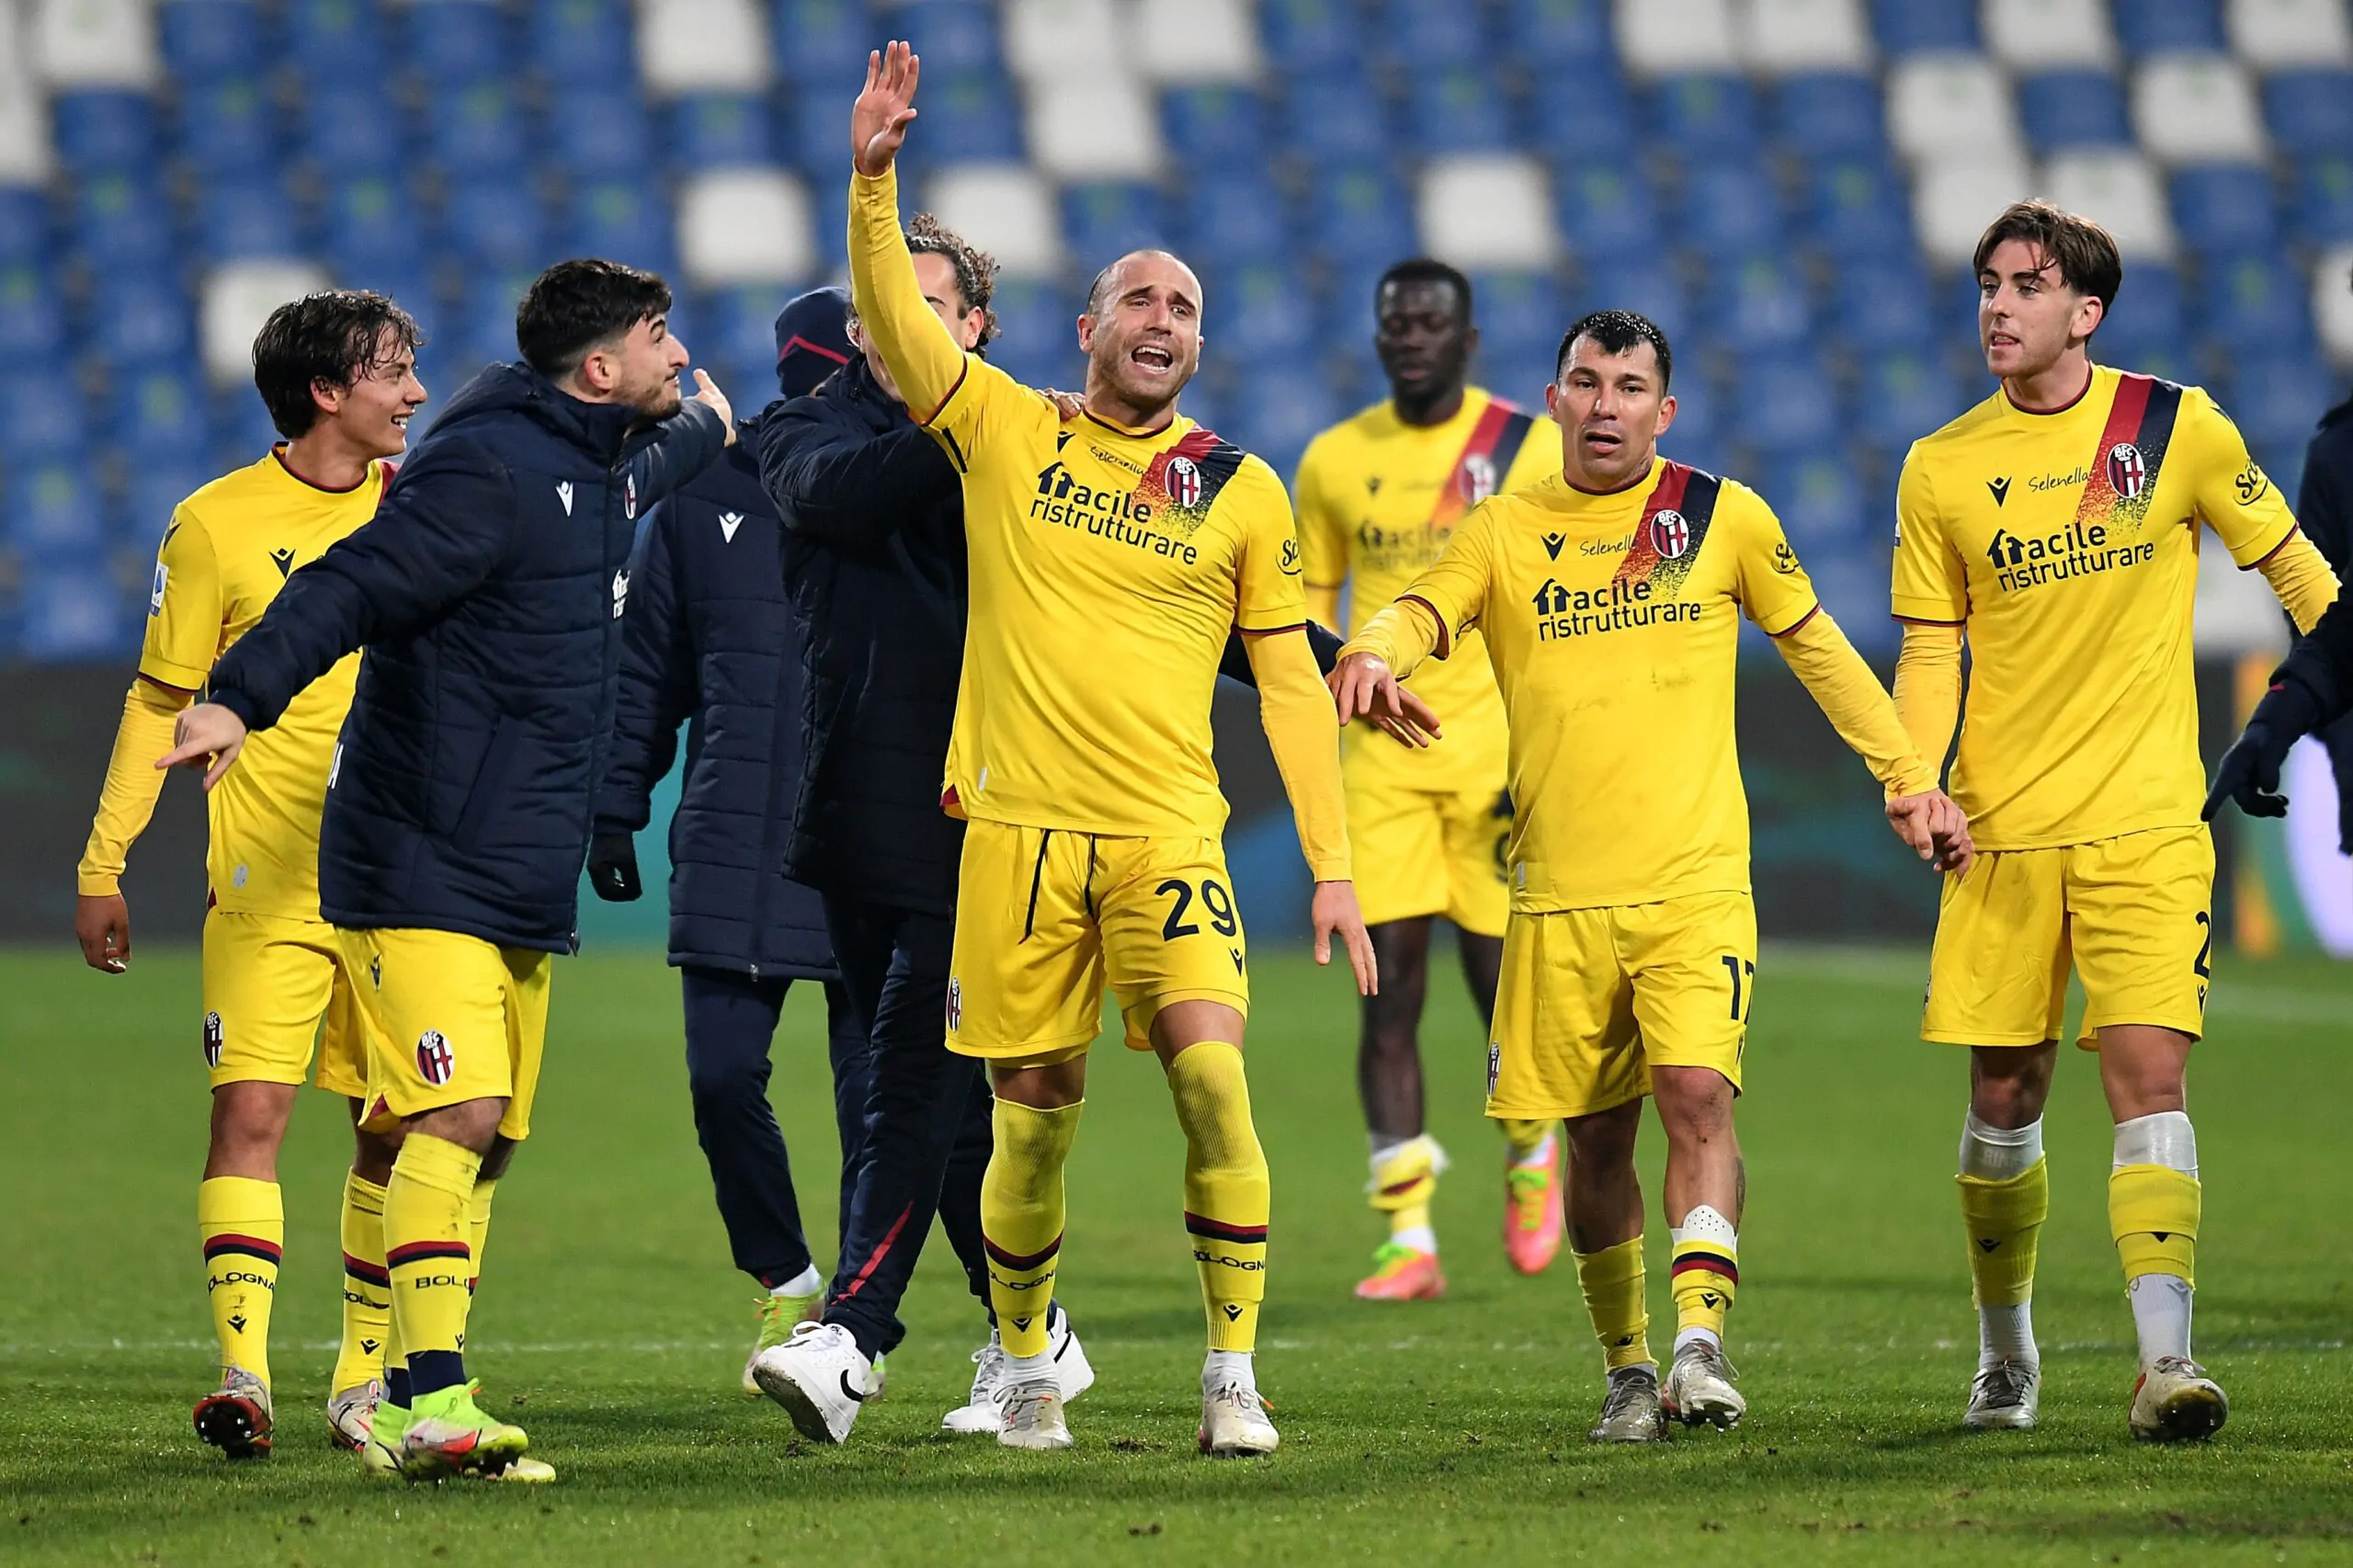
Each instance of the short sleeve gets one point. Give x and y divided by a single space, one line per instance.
1774 589
1930 583
1323 536
1271 592
184 606
1538 458
1455 585
2234 496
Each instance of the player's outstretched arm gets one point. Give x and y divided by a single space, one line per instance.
1365 683
914 342
1305 738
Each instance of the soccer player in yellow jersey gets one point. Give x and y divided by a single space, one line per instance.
2054 528
1610 595
338 374
1112 553
1379 496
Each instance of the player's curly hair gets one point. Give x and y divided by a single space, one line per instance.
1617 332
975 269
332 338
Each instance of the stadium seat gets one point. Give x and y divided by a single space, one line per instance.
1859 212
351 127
2274 397
159 417
475 129
2224 209
1950 106
823 44
32 317
2122 190
1215 128
1360 211
735 330
2041 35
94 44
104 128
829 210
1278 412
324 37
1049 41
738 226
372 229
968 117
1261 317
1006 210
2074 109
1697 438
1196 40
2196 108
204 41
1037 343
241 428
1310 35
1658 37
227 127
1549 36
2148 317
1925 26
1240 218
1905 394
2333 303
2255 300
1636 285
26 154
498 224
73 611
24 224
2311 110
1597 122
1334 115
123 220
1758 302
239 219
2150 26
1819 498
1703 117
482 330
577 45
1417 36
1828 114
628 221
595 131
153 486
2291 34
1455 109
458 41
1105 125
1873 309
1522 316
37 423
1487 212
724 131
1787 403
1782 36
2323 205
1110 218
702 46
1728 209
1952 201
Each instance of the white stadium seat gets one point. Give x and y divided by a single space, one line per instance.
1049 39
1664 37
2119 189
1490 211
746 226
1779 36
2196 108
1953 199
16 49
2272 34
702 46
95 43
1951 105
2044 35
1005 209
1103 125
238 297
2333 303
25 152
1196 40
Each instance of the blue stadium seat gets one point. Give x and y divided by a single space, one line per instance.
1421 36
1458 109
719 131
1820 499
1727 208
595 131
241 219
2146 317
24 223
626 221
372 229
1910 26
823 44
1216 128
1621 281
42 423
2276 396
2255 300
1608 211
1700 116
2323 208
1875 307
451 41
154 485
1522 316
159 417
32 317
1277 412
476 128
104 129
1852 584
1830 114
328 39
1261 317
1335 116
582 44
1757 302
1238 217
227 127
2225 209
1859 212
2074 109
972 118
735 330
73 611
1905 394
500 223
123 220
1360 214
204 40
2144 26
1553 35
1306 35
351 126
1596 121
1036 342
2311 111
956 36
1111 218
482 329
829 207
1786 403
1698 438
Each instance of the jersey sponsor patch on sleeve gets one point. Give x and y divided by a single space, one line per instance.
155 594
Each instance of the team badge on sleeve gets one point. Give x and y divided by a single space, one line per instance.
435 1061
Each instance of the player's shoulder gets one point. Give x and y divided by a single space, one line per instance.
239 498
1344 440
1974 424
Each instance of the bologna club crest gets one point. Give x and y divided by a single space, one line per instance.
212 1039
629 497
1184 482
955 1003
1670 535
2128 473
435 1061
1476 479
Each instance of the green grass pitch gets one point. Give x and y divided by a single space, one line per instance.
611 1325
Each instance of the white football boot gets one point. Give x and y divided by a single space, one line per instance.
2176 1402
819 1377
1029 1413
1698 1389
1630 1411
2005 1397
351 1415
1075 1374
1234 1424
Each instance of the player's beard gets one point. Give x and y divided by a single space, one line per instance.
665 399
1148 400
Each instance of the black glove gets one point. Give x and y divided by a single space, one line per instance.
612 867
2249 771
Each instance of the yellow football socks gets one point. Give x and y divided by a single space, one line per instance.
1612 1281
478 1225
1526 1138
1704 1272
2005 1220
2152 1212
243 1223
1403 1182
366 1287
1226 1191
426 1253
1021 1218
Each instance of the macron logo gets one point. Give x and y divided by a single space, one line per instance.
564 493
728 523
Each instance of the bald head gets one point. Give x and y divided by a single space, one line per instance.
1141 269
1141 333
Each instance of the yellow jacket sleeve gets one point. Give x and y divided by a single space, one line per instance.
2299 574
914 342
1856 704
1401 636
133 784
1927 688
1303 732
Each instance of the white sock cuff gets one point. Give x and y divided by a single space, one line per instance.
808 1282
1704 1224
2165 1139
1998 1153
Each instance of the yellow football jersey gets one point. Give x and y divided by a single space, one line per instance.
2066 543
230 548
1377 501
1613 626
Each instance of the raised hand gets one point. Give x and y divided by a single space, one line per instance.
1335 912
1936 829
707 392
878 121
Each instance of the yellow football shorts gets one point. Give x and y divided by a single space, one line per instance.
1592 999
449 1018
273 988
2133 913
1421 852
1044 916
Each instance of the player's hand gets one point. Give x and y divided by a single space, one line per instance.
2249 771
878 121
612 867
707 393
1070 405
1334 911
1936 829
102 925
206 735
